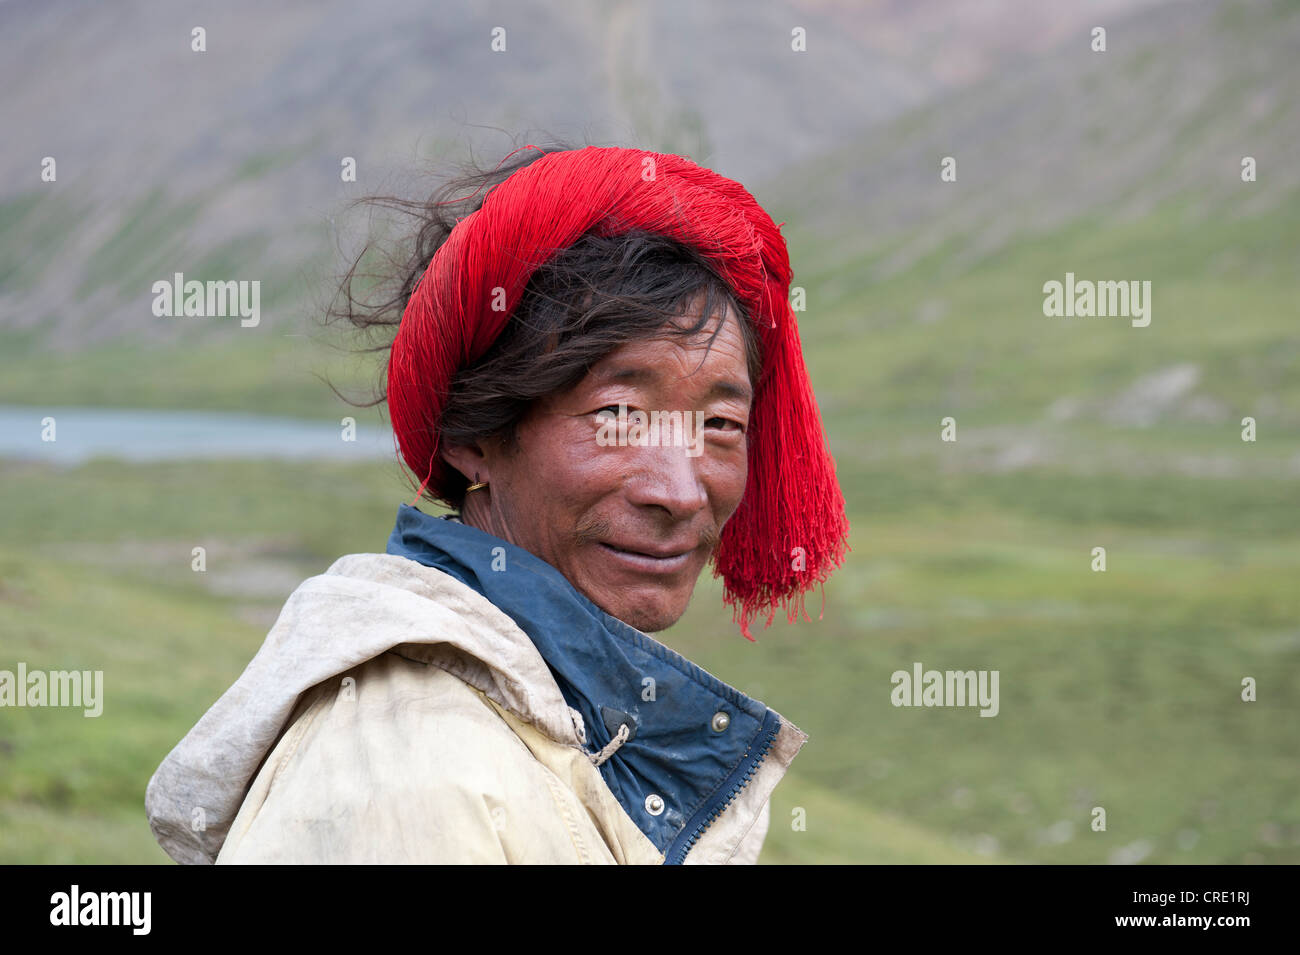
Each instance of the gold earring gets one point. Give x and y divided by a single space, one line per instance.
477 485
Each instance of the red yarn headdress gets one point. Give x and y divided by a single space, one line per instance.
790 530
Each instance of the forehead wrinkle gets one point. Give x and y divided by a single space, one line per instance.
643 375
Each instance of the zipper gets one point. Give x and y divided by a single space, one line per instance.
731 787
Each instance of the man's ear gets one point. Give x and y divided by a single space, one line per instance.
469 460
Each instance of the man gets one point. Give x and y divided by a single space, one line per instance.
600 369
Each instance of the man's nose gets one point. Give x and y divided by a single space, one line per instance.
668 478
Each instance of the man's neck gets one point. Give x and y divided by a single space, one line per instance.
477 511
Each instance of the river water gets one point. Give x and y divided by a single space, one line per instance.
80 434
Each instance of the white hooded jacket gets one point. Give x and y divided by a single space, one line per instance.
395 714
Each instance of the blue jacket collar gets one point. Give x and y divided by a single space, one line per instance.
612 673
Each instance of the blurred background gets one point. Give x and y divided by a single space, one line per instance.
1119 690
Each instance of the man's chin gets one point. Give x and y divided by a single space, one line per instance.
647 615
651 624
640 601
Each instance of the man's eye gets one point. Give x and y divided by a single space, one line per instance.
612 409
724 424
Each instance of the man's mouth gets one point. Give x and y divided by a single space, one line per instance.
648 559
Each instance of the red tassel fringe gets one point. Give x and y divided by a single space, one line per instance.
790 530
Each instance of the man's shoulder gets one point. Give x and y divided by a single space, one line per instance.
394 760
408 714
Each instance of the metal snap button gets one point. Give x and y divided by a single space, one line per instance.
720 721
654 804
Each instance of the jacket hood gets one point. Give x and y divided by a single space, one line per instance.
364 605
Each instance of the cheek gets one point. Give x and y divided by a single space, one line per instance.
726 480
581 473
561 471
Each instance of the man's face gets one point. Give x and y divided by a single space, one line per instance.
630 516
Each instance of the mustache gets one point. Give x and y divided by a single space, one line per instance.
594 528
